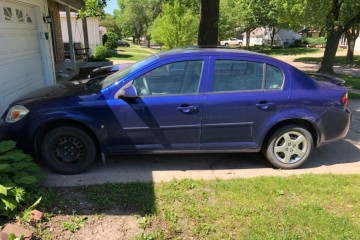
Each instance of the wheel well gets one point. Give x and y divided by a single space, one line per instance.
40 134
299 122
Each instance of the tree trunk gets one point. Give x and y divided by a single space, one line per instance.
248 32
334 34
148 38
209 19
273 32
351 36
332 44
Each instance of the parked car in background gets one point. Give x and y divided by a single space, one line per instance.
231 42
121 43
190 100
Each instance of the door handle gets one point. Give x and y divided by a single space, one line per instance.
266 106
187 109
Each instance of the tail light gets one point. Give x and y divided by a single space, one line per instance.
345 100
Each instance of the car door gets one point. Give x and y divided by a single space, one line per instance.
241 97
167 113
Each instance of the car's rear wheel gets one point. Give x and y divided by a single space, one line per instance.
226 45
289 147
68 150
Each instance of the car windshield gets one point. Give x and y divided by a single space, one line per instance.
126 71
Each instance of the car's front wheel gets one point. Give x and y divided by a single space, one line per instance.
289 147
68 150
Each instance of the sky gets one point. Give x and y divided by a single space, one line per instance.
111 5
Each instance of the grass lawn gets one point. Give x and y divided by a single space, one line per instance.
296 207
285 51
338 59
133 52
351 81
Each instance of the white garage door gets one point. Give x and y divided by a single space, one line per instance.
20 60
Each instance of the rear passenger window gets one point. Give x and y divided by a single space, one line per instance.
274 78
232 75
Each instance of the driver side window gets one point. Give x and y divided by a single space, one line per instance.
173 78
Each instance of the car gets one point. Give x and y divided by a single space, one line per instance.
121 43
187 100
107 70
231 42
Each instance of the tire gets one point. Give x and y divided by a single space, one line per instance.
226 45
68 150
289 147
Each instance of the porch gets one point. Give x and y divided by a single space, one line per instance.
65 73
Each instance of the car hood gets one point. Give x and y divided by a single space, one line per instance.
53 92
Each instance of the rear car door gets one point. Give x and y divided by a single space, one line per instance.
241 97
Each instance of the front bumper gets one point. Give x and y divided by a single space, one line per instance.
4 131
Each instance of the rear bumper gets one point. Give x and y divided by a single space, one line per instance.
335 126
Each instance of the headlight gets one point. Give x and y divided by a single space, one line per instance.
16 113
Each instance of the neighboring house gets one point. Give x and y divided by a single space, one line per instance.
261 36
94 32
309 33
343 43
30 45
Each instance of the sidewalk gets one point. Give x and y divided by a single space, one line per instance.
313 67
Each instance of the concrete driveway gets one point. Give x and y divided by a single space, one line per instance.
342 157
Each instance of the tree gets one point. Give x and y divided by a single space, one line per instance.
93 8
335 17
175 26
351 36
209 19
112 24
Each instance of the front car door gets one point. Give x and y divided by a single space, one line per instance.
167 113
241 97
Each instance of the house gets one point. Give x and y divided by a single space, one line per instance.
261 36
31 44
94 31
313 33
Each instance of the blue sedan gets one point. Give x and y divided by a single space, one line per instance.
190 100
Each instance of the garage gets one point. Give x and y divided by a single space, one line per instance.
21 66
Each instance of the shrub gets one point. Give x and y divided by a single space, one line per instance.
316 41
296 43
111 41
17 173
101 52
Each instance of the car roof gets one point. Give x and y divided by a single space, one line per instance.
203 51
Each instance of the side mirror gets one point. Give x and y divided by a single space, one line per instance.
130 92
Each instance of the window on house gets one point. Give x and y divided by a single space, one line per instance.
19 15
8 14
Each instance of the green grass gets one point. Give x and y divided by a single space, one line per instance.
351 81
338 59
133 52
284 51
354 96
299 207
296 207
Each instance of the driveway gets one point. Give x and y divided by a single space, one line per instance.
341 157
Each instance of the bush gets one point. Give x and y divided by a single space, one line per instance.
316 41
101 52
296 43
111 41
17 173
